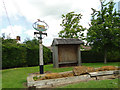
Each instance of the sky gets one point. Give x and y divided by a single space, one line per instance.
21 14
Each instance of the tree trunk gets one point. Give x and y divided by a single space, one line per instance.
105 56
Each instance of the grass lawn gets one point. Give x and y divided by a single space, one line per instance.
16 77
95 84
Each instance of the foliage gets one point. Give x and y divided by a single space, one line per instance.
8 42
19 55
33 53
104 33
91 57
27 54
71 27
32 48
95 57
47 55
34 43
13 54
114 55
36 78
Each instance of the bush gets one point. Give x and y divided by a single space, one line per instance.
33 56
114 56
47 55
93 57
20 55
13 56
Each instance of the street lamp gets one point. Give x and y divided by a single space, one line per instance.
41 27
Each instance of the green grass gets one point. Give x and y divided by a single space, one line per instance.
16 77
95 65
95 84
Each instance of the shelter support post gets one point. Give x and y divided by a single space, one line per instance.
56 63
79 56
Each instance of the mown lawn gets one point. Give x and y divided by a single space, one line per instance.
95 84
16 77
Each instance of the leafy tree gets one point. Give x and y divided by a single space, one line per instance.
104 32
9 42
71 27
32 43
33 49
19 55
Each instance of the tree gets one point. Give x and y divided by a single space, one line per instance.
104 32
71 27
9 42
32 43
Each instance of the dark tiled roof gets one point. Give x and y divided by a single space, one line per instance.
58 41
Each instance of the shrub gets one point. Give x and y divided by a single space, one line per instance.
20 55
47 55
13 56
32 56
93 57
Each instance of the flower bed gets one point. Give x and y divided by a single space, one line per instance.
80 73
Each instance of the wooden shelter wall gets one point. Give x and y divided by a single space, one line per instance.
67 53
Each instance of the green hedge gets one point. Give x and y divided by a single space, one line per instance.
93 57
21 55
33 56
13 56
114 56
47 55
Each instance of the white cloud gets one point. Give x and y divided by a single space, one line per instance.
30 33
116 0
13 31
52 32
33 9
50 11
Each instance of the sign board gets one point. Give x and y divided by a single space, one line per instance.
41 28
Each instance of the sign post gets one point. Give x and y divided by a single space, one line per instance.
40 26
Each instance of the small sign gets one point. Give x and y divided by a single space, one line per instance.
40 26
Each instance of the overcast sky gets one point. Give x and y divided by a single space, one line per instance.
23 13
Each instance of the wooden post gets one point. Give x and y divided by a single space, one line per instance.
79 56
53 54
41 55
40 28
56 57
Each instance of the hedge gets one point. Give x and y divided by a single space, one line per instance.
33 56
93 57
21 56
13 56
